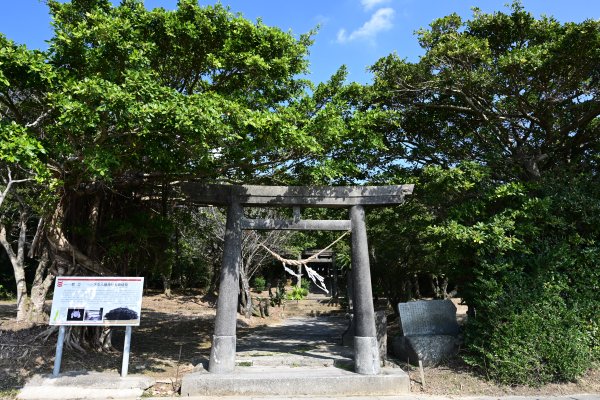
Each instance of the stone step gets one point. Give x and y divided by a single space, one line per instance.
293 361
312 307
309 312
316 304
320 301
295 381
323 355
85 385
310 303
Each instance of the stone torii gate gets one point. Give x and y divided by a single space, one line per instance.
235 198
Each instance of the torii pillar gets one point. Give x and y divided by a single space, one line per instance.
366 351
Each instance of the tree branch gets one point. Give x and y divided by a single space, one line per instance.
39 120
9 184
584 120
6 244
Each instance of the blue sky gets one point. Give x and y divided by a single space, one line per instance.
352 32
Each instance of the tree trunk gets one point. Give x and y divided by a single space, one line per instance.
39 289
299 278
69 260
435 288
29 307
406 288
166 285
246 296
216 252
106 339
64 252
17 260
350 289
416 287
444 288
93 221
214 279
439 287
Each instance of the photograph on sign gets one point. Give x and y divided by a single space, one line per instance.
102 301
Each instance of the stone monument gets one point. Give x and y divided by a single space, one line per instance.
430 331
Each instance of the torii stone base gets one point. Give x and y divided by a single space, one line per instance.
295 381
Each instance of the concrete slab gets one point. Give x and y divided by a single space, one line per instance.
399 397
85 385
295 381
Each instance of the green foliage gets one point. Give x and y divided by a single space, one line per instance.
305 284
277 298
532 280
18 147
136 242
5 294
497 125
516 93
523 255
127 101
437 231
259 283
122 89
188 271
297 293
195 248
538 336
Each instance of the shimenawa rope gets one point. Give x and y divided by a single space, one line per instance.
312 274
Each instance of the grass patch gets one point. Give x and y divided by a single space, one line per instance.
8 394
244 364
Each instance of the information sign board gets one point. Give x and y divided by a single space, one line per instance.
97 301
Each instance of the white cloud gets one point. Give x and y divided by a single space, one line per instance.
321 20
379 22
369 4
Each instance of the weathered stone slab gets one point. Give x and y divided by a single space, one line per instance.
428 317
430 331
430 349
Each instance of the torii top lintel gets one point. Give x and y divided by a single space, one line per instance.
289 196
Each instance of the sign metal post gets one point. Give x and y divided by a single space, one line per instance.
125 365
59 349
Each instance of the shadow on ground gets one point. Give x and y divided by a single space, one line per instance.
316 337
163 342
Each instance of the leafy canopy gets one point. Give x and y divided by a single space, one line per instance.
199 91
516 93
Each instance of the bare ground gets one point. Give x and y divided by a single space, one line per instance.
175 335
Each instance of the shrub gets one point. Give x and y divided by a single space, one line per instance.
260 284
297 293
5 294
305 284
277 298
529 334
